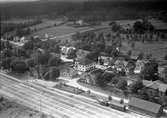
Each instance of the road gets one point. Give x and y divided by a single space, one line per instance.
54 102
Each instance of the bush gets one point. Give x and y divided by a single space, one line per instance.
19 66
54 61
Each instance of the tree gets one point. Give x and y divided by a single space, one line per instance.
7 53
122 84
103 78
148 56
141 56
42 58
143 26
138 27
54 61
164 100
93 56
133 45
129 53
19 66
71 54
30 62
6 63
165 57
52 74
163 75
135 86
115 80
115 27
29 45
150 71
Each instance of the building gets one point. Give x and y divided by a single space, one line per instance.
65 50
79 22
120 65
105 59
145 107
130 67
155 88
84 65
140 66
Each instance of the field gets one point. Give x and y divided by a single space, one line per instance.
157 49
65 31
16 21
10 109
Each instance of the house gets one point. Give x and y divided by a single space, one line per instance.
65 50
105 59
155 88
140 65
130 67
79 22
145 107
84 65
67 70
120 65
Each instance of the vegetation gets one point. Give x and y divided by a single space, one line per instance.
19 66
90 11
143 26
22 29
150 71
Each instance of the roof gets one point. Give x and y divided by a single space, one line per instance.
155 85
85 61
145 105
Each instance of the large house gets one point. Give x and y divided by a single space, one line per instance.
155 88
84 65
145 107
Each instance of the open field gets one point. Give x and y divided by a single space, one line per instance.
10 109
16 21
66 31
157 49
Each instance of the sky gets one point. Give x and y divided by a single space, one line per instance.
58 0
16 0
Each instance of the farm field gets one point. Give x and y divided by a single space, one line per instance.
66 30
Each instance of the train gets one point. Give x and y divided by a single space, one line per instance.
113 104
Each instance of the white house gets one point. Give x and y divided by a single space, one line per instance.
139 66
65 50
84 65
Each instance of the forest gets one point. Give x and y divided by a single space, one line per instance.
88 10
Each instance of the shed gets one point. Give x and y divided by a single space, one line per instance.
145 107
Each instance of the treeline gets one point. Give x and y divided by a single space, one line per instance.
20 29
101 10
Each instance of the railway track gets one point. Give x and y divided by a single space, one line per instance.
55 102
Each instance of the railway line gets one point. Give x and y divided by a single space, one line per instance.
55 103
